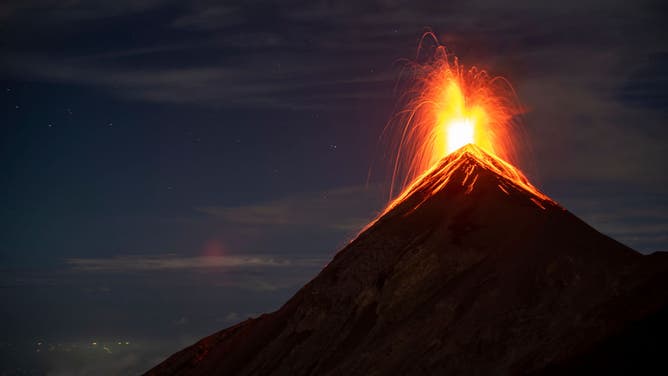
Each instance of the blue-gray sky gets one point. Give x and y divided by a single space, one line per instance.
171 168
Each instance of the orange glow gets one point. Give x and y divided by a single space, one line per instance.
446 107
462 168
472 160
459 133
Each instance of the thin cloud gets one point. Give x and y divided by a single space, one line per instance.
284 86
639 222
173 262
210 16
74 10
346 209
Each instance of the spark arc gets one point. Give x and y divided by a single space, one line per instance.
447 106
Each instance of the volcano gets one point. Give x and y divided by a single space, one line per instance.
471 270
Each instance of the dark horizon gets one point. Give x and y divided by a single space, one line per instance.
171 169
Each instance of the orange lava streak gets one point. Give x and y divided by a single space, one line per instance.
438 176
471 160
446 107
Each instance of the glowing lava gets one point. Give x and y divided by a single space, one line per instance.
445 107
459 133
472 160
466 167
457 122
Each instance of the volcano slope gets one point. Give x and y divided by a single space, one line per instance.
471 271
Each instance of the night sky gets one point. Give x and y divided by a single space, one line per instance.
169 170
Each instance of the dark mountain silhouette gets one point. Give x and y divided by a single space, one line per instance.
472 271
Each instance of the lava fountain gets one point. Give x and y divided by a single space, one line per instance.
445 107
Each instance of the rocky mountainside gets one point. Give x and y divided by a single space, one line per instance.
470 271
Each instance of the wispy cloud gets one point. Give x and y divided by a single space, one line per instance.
346 209
288 62
639 222
174 262
280 85
211 16
74 10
